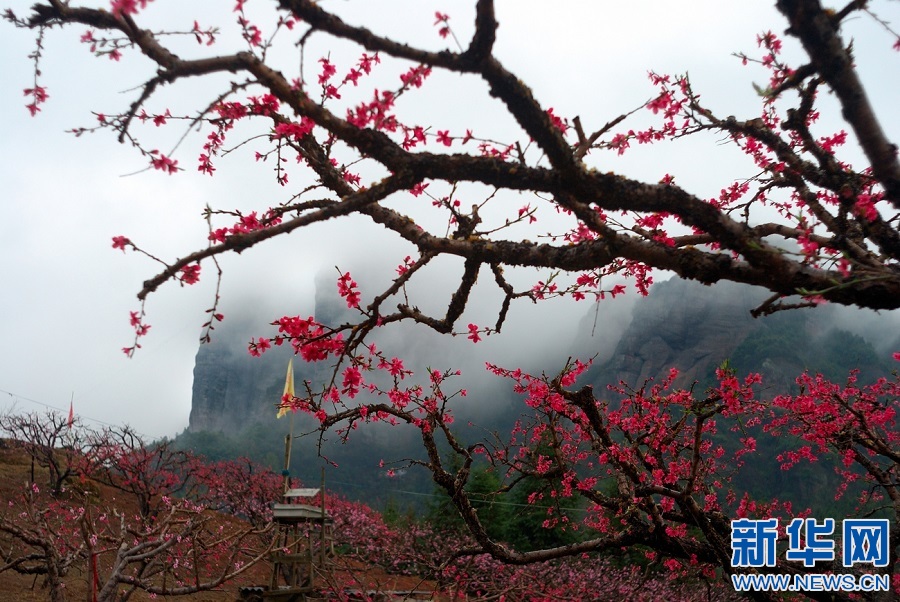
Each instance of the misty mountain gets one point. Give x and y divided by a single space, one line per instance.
233 390
680 324
694 328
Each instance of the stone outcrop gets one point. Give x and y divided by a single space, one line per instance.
693 328
233 390
685 325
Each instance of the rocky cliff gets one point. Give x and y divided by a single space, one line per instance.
233 390
685 325
694 328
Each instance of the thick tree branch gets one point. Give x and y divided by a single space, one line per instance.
818 31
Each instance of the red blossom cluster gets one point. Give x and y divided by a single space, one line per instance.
38 96
163 163
190 274
443 20
127 7
141 328
376 113
311 340
120 242
347 289
245 224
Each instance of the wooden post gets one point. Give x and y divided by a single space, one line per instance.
287 455
287 462
322 554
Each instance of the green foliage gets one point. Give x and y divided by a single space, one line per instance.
493 513
258 442
440 511
517 516
840 351
493 508
537 519
783 347
780 339
396 515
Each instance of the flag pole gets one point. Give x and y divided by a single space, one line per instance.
287 460
288 393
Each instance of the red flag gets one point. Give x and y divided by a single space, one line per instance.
71 413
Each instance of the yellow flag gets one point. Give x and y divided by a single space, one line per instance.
288 389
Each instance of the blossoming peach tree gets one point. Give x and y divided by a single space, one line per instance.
153 531
645 459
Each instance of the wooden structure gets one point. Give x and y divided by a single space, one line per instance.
304 535
302 550
303 545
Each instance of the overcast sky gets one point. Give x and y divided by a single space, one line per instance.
66 293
